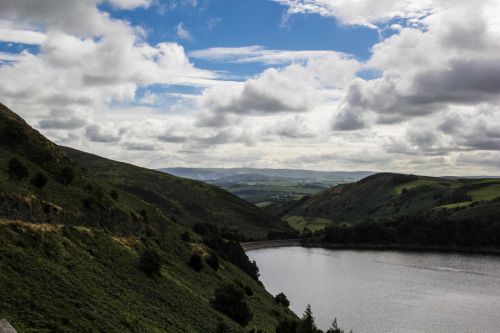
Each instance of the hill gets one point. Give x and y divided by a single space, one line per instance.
269 187
385 195
71 245
297 174
183 200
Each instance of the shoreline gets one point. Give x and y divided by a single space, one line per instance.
249 246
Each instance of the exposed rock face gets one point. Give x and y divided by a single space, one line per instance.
5 327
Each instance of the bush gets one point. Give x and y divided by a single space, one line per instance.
39 180
150 262
89 202
17 170
230 300
195 262
114 195
213 261
248 291
186 236
282 299
67 176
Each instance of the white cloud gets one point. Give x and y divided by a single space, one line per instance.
182 33
255 53
361 12
21 36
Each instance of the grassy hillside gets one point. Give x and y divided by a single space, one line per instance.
387 195
70 244
56 278
183 200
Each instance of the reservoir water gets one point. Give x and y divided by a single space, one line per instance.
370 291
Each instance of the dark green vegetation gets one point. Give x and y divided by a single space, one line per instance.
391 197
305 325
183 200
269 188
87 248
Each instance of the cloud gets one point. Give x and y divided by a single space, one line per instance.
259 54
296 88
21 36
97 133
361 12
454 61
62 123
182 33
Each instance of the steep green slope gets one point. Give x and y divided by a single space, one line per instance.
76 199
386 195
69 250
183 200
56 278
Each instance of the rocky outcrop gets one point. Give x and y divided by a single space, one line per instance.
5 327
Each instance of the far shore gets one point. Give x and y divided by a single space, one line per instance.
368 247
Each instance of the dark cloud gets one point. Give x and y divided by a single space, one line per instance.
62 123
96 134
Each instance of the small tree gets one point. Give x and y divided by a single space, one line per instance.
213 261
334 328
67 176
150 262
282 299
186 236
114 195
39 180
195 262
307 324
230 300
17 170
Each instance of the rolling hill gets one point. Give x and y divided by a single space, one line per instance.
71 243
183 200
387 195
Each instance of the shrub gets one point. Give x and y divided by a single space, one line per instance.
230 300
213 261
89 202
186 236
222 328
195 262
248 291
150 262
66 176
114 195
16 169
282 299
39 180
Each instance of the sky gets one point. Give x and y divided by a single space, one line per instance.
390 85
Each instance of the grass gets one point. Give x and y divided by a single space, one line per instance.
486 193
300 223
413 184
64 279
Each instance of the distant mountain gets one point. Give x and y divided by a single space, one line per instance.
206 174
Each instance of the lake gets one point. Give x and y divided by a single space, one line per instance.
370 291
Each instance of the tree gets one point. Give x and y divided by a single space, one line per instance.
186 236
16 169
334 328
287 326
230 300
114 195
195 262
307 324
66 176
282 299
150 262
39 180
213 261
